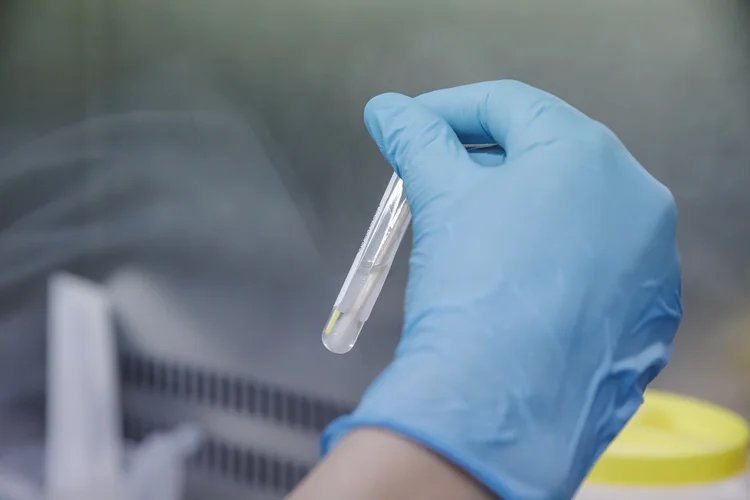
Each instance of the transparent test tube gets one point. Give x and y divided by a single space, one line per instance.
370 267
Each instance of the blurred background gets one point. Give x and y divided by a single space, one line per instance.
206 161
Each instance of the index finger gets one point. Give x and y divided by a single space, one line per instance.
508 113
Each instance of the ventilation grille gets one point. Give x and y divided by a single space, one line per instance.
242 465
229 393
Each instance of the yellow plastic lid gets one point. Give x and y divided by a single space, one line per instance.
675 440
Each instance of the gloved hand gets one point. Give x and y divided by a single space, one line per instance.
544 286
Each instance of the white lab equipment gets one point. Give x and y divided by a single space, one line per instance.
84 449
157 466
84 455
674 448
371 265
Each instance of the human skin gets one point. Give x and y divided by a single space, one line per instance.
374 464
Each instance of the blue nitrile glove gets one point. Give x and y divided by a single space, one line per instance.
544 287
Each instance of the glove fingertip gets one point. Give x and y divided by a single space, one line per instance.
385 101
378 113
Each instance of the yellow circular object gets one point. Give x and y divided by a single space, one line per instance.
675 440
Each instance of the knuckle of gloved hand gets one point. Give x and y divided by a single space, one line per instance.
668 200
510 86
533 102
668 207
596 146
599 137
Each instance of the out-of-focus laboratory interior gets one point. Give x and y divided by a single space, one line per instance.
204 162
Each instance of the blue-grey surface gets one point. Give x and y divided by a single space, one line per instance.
207 160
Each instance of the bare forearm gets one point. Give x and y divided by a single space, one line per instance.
372 464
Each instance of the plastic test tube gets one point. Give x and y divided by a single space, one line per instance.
370 268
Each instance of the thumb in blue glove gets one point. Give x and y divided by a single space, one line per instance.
544 286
